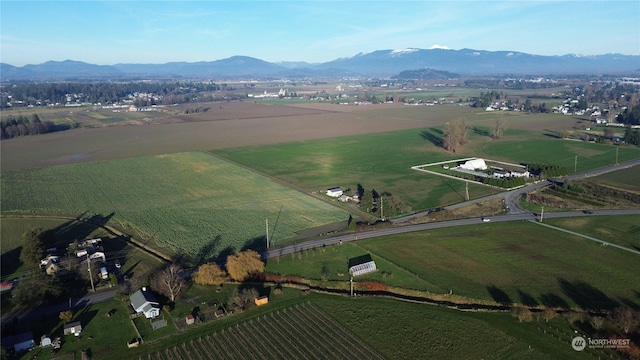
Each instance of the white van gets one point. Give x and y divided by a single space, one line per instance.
104 273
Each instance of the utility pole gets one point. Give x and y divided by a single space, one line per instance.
575 165
381 208
466 190
542 214
266 221
617 155
90 273
351 281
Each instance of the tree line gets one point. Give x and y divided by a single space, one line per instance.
37 94
14 126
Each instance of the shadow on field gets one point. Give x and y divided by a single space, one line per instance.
262 289
586 296
10 261
257 244
527 299
434 136
629 303
448 182
81 227
481 131
499 295
207 251
552 133
553 301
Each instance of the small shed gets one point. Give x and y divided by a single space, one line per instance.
45 340
190 319
74 328
262 300
219 313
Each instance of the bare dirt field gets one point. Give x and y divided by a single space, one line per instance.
283 124
236 124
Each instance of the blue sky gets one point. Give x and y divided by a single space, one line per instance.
114 32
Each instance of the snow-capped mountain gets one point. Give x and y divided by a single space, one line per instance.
379 63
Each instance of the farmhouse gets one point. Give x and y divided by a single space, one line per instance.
143 302
474 164
334 192
74 328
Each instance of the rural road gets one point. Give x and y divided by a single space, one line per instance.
526 216
511 198
35 314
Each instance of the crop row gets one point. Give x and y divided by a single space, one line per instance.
299 332
187 201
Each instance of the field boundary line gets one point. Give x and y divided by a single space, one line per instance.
604 243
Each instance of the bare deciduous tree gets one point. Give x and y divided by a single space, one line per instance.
625 319
169 281
455 133
498 127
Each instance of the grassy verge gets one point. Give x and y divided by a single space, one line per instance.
507 263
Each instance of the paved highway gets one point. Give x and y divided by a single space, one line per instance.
526 216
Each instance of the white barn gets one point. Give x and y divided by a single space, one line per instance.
474 164
334 192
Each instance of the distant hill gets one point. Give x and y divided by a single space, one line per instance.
425 74
380 63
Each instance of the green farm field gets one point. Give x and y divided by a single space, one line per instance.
620 230
401 330
626 179
190 202
511 262
382 161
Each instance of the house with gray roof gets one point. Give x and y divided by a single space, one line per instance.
143 302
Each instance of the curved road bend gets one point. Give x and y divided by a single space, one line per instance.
512 197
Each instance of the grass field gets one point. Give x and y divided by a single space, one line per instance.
191 202
621 230
516 262
383 161
626 179
560 152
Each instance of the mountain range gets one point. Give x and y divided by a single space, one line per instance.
380 63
